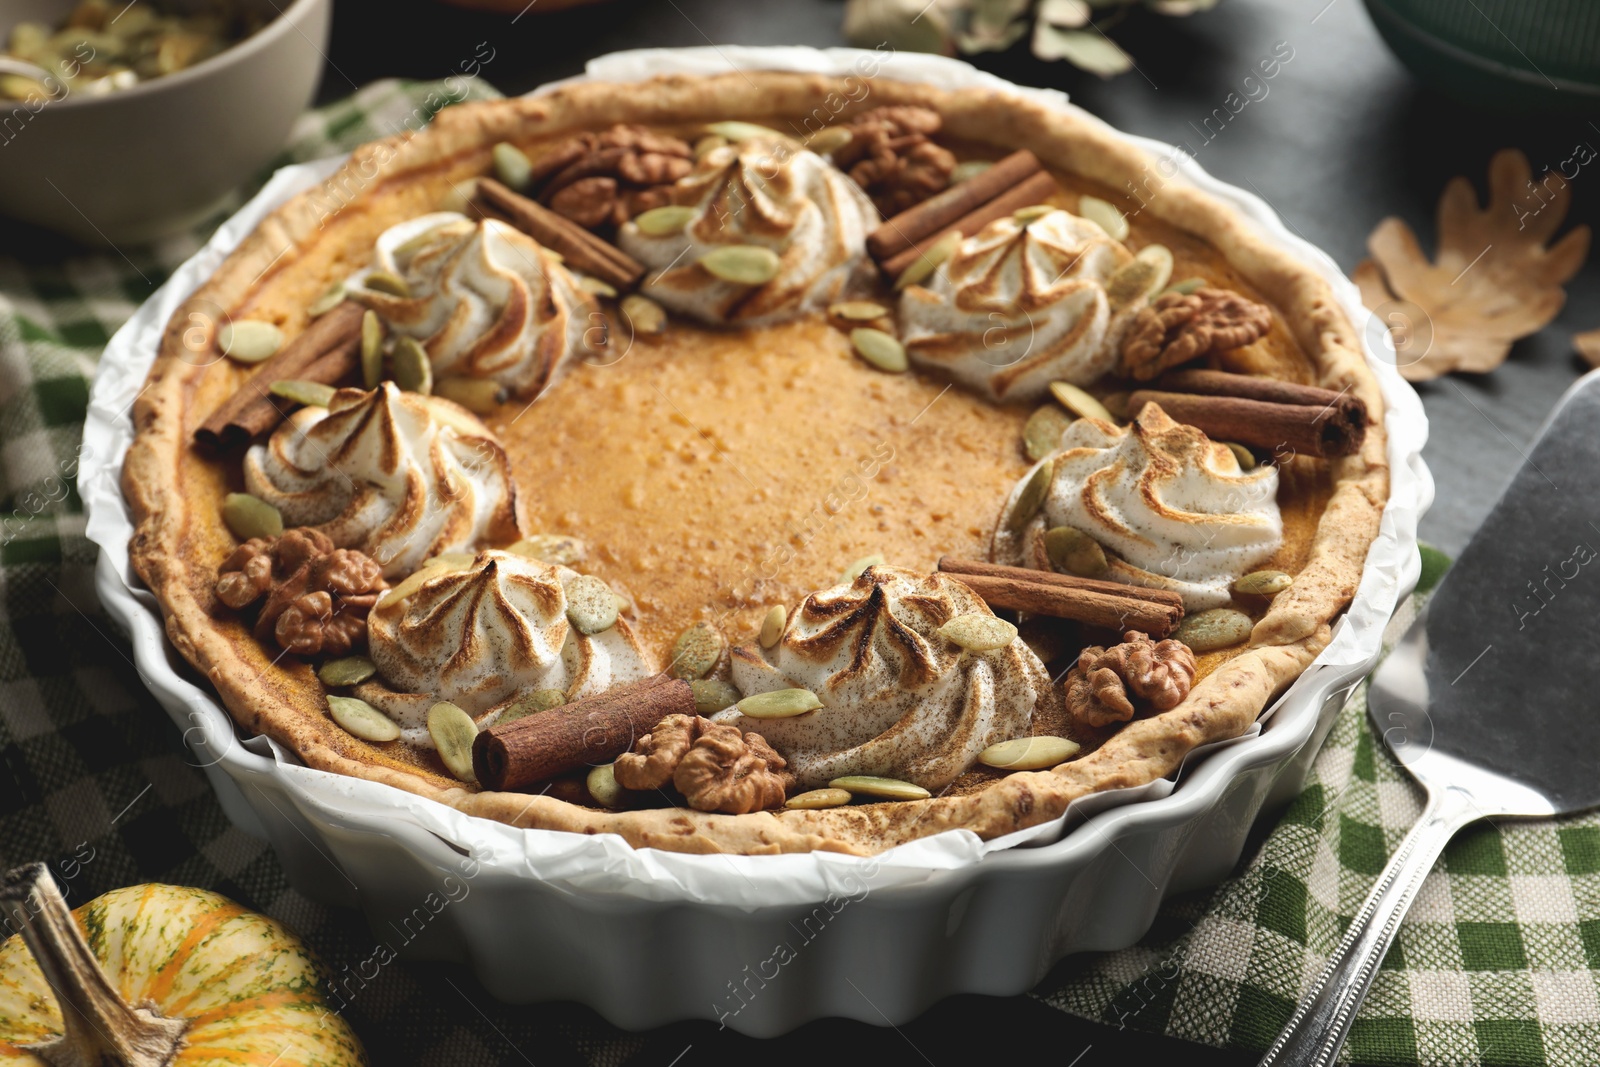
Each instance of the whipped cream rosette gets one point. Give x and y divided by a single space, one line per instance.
485 300
401 476
1020 304
772 195
480 630
1171 507
898 700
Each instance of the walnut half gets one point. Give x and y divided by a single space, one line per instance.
713 765
1105 683
317 596
891 156
1178 327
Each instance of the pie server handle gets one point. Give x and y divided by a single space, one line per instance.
1321 1023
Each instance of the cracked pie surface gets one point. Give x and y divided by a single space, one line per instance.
691 462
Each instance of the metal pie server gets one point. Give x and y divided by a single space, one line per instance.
1491 701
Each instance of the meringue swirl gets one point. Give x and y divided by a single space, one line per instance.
478 632
898 699
401 476
1019 305
486 300
1173 506
772 194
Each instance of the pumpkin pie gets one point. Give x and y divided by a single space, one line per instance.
704 463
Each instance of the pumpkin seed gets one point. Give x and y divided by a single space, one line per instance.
1187 287
708 144
772 626
1029 753
413 371
603 786
929 261
779 704
596 287
867 785
1263 583
481 396
879 349
1025 215
1104 214
533 703
696 651
829 139
978 632
249 516
1246 458
411 584
743 131
1117 405
346 671
453 732
450 561
551 548
1160 255
371 349
247 341
331 298
1033 494
969 170
645 314
360 719
1214 629
711 695
1135 282
311 394
664 221
591 605
741 264
382 281
1079 402
858 311
458 198
854 571
511 165
1072 551
819 798
1042 433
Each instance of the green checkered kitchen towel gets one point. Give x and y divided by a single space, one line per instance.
1497 963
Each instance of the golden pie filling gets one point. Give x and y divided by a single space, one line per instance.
641 478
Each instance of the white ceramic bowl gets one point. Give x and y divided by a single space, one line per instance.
762 943
134 165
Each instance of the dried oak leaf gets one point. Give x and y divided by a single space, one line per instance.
317 597
1104 685
1178 327
713 765
1493 280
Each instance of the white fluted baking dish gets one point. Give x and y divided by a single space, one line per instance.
762 943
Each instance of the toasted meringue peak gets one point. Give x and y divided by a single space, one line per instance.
486 300
898 700
478 632
1170 503
400 476
1018 306
772 194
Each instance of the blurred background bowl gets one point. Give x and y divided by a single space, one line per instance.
134 165
1505 55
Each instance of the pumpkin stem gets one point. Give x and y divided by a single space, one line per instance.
99 1029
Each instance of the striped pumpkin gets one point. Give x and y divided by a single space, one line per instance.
165 974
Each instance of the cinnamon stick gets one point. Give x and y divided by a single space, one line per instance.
1248 386
1282 429
582 250
589 731
1034 190
938 213
961 568
1104 610
327 350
